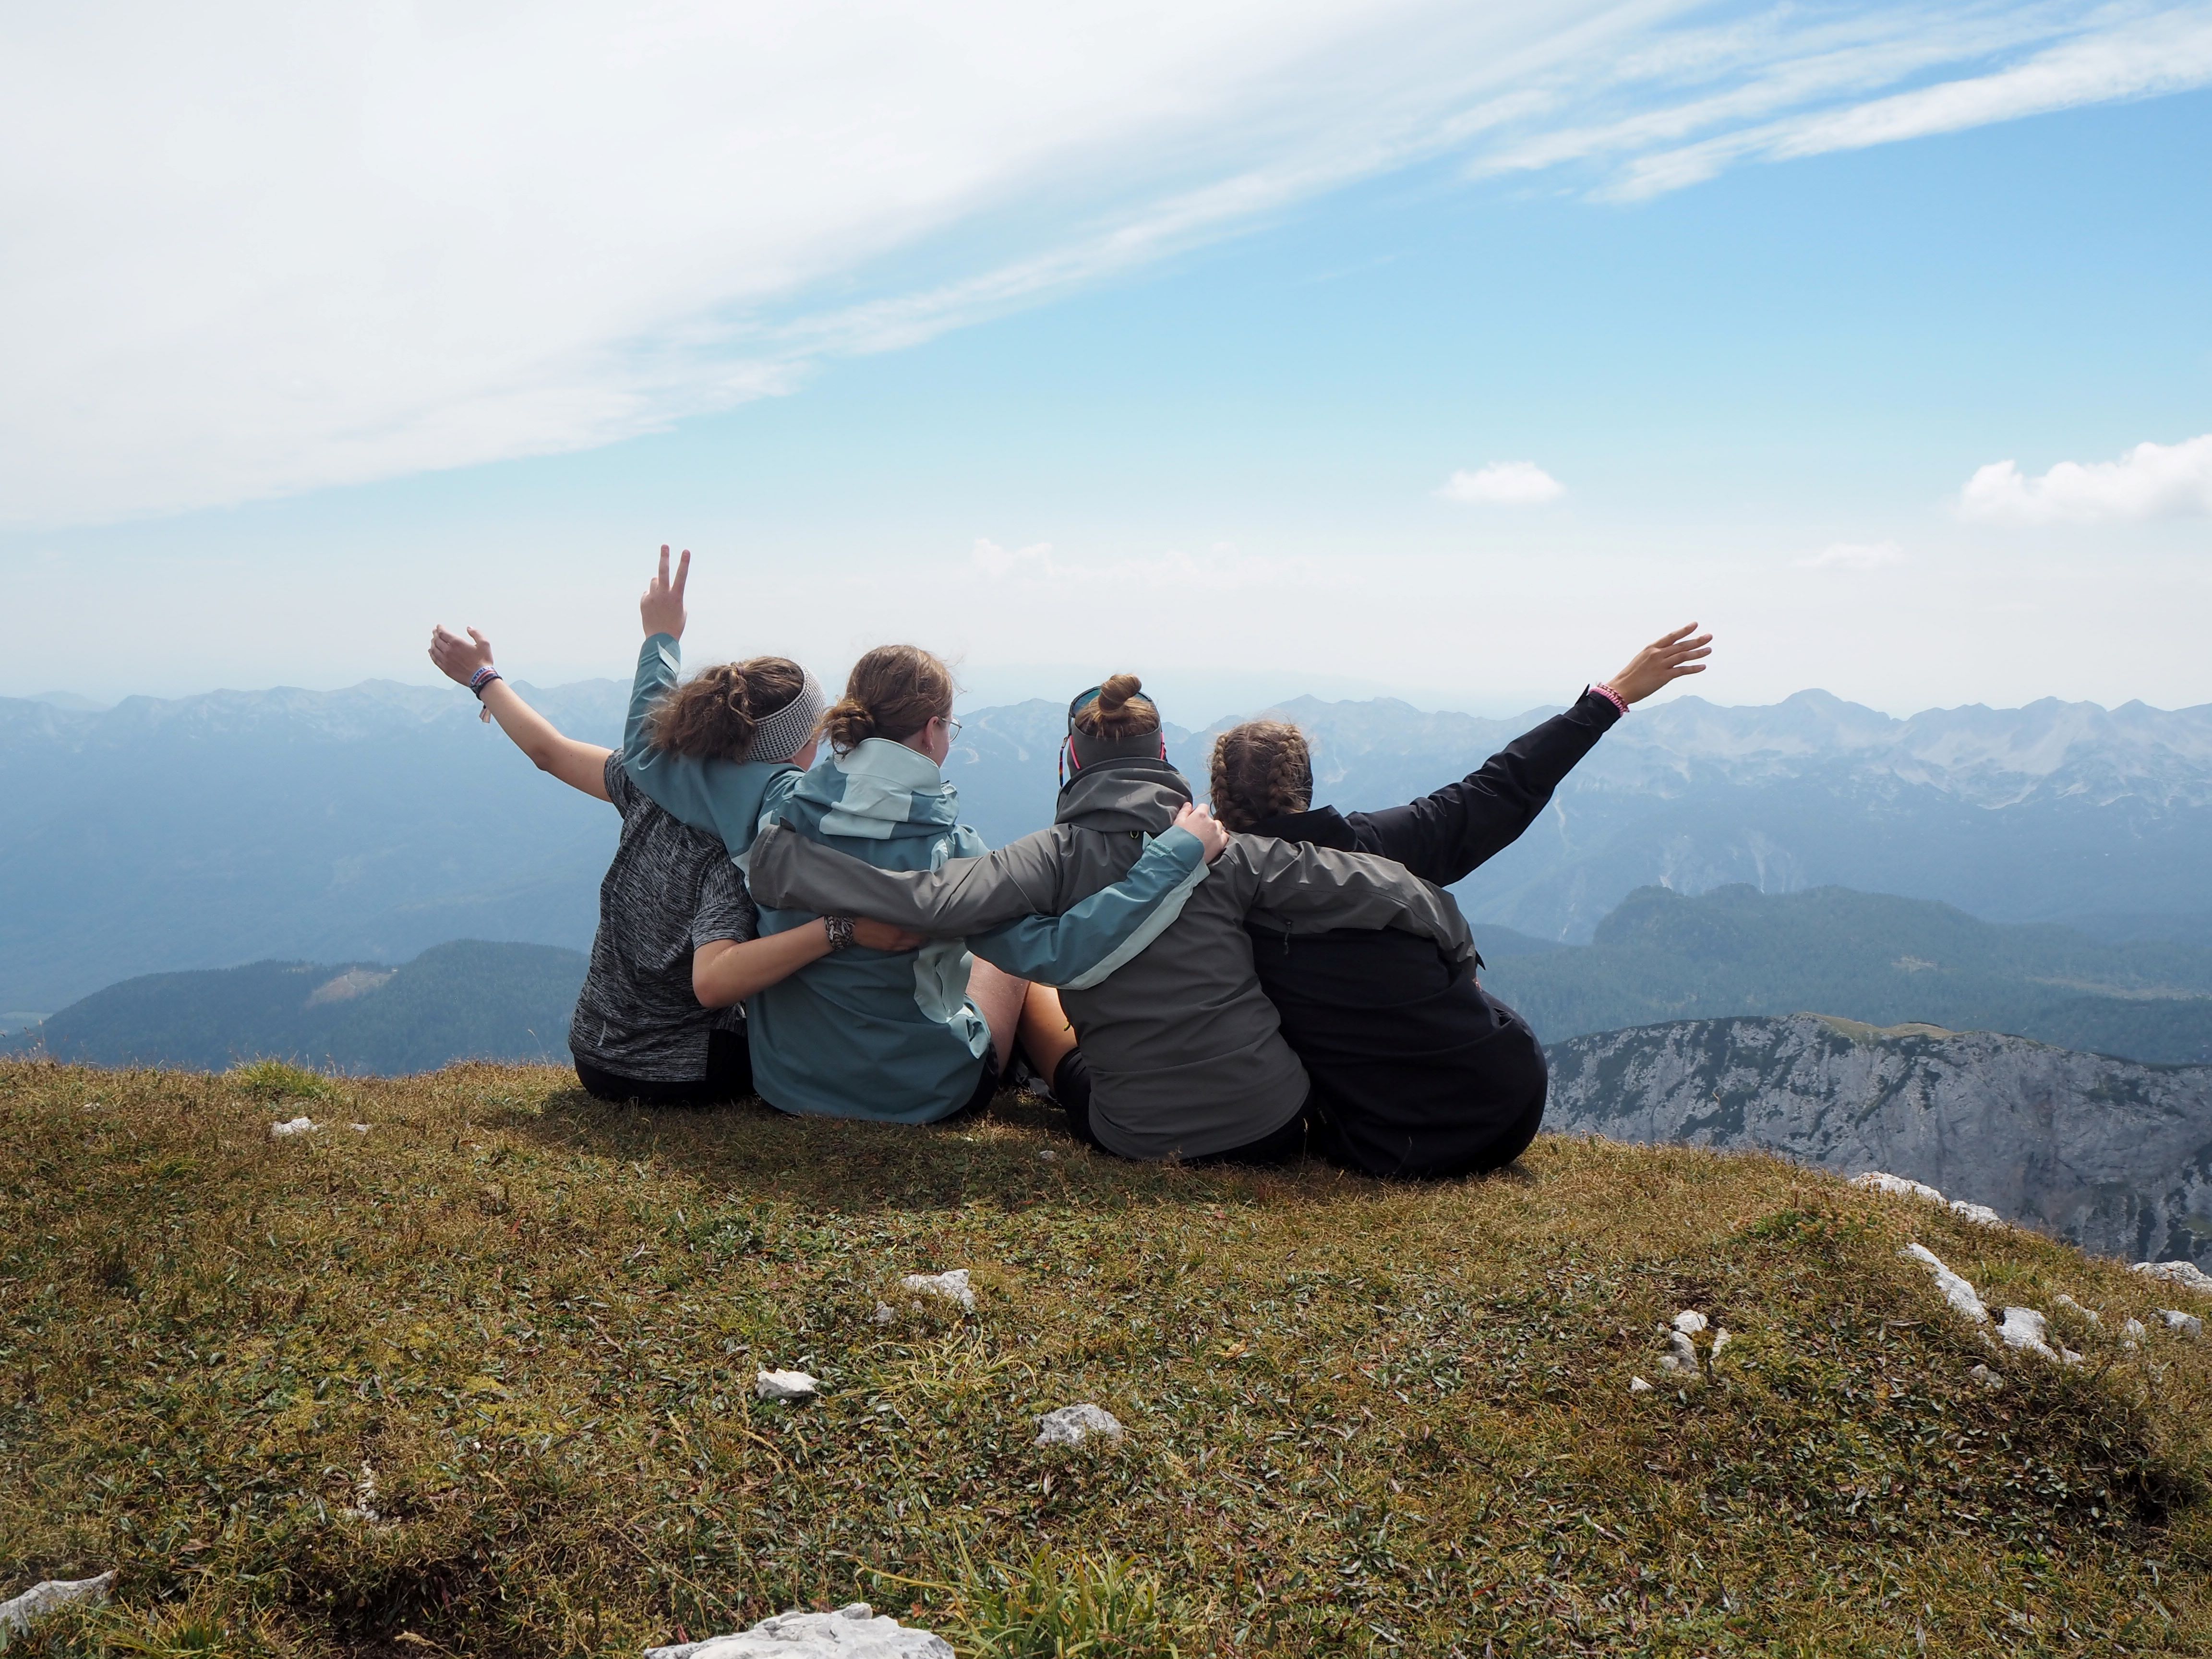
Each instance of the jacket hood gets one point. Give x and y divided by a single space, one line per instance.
877 791
1143 795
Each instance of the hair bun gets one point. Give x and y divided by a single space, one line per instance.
1115 693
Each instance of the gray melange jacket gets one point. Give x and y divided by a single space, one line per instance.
1186 1058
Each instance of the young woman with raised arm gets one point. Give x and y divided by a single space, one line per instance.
1416 1069
908 1039
661 1017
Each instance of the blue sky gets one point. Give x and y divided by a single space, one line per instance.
1171 371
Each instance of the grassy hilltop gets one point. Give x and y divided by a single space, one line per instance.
479 1381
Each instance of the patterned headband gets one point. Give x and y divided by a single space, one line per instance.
784 733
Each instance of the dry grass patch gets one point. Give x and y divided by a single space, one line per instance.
480 1381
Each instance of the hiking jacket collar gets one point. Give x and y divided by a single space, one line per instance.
876 791
1143 795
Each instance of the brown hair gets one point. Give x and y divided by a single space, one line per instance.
1119 710
1259 769
892 692
714 715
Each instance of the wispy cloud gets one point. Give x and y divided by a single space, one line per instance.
1504 484
1219 570
2151 481
1854 555
254 250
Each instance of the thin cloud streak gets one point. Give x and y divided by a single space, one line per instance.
259 251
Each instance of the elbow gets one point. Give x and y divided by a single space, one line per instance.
543 758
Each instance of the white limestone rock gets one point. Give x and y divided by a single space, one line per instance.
1637 1385
2072 1306
785 1385
1071 1425
298 1125
1681 1355
2182 1324
853 1632
949 1286
1875 1180
1721 1339
2187 1274
19 1615
885 1313
1980 1215
1689 1321
1956 1292
1986 1377
2023 1328
2132 1334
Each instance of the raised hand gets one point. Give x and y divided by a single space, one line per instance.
457 659
1199 821
661 608
1663 661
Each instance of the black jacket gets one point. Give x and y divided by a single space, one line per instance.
1416 1069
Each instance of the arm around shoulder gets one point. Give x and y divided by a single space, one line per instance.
1303 889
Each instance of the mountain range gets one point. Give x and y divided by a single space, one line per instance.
2108 1154
369 823
1664 956
466 1000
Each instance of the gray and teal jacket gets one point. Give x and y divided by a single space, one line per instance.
876 1034
1186 1058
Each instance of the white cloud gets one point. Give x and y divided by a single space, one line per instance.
2151 481
1504 484
1854 555
254 248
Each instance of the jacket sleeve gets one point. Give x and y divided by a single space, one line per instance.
1440 838
1298 887
723 798
1004 902
677 783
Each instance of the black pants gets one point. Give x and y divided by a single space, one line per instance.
729 1077
1071 1087
1485 1114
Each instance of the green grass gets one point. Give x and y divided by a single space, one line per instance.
479 1382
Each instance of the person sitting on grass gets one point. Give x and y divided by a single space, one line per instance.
907 1039
1181 1056
660 1018
1416 1069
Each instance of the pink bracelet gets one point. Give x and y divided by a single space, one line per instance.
1610 695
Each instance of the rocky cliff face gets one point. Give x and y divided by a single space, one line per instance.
2112 1155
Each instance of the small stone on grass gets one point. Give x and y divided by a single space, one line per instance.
951 1287
1071 1426
785 1385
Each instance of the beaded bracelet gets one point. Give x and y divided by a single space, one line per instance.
839 929
1610 695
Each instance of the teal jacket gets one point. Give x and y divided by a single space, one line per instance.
876 1034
